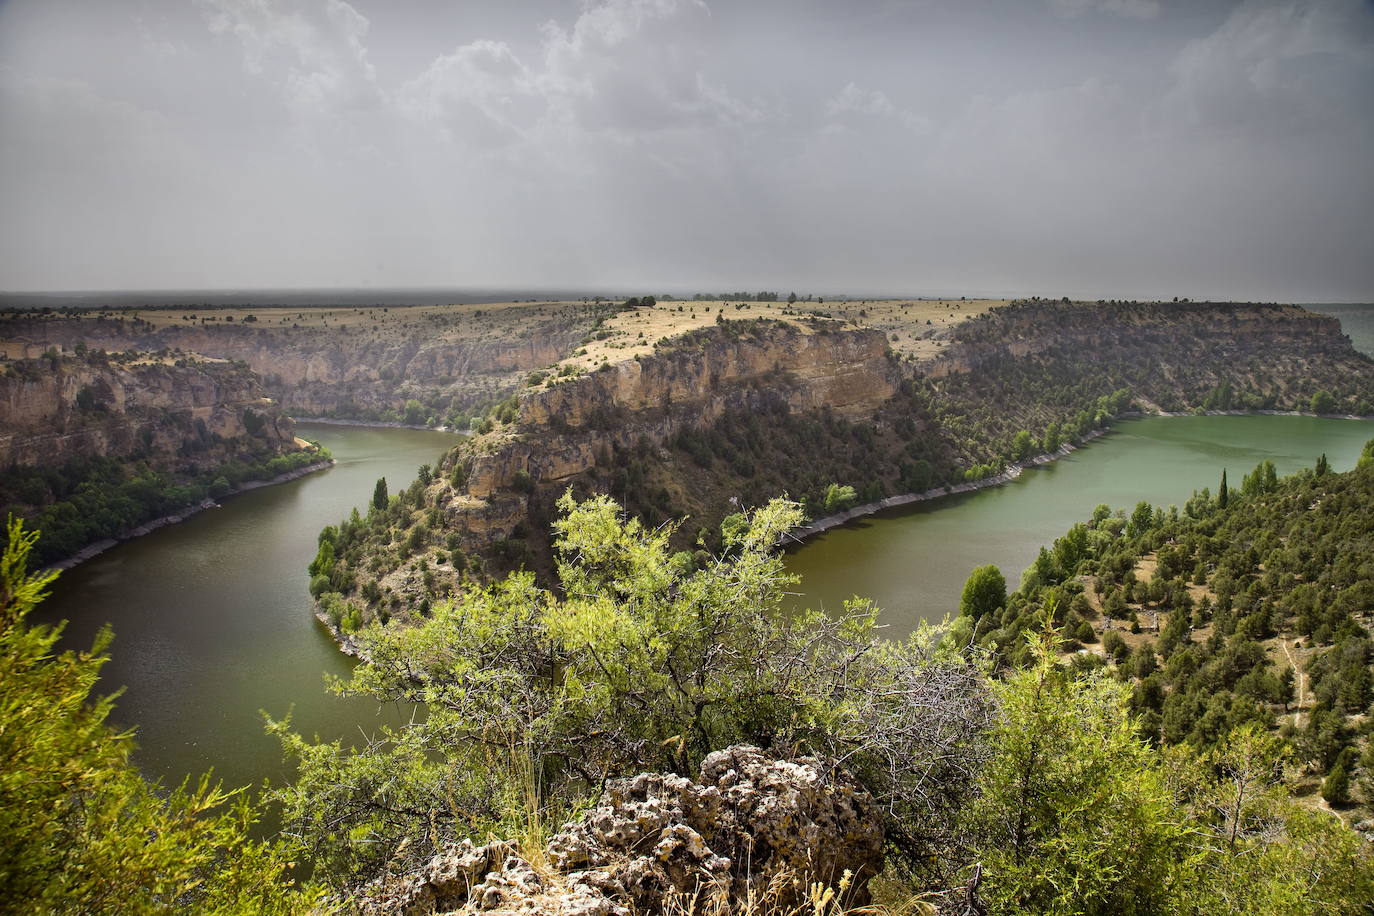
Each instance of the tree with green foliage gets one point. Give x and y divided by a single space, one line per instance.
1022 445
1141 520
379 495
1078 815
1336 786
1263 479
413 413
1254 846
1323 402
80 829
1223 492
1074 813
640 662
985 591
838 497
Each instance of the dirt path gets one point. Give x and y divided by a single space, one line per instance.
1301 679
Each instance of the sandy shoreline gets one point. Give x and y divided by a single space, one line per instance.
99 547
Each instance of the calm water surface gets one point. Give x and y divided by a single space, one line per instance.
212 617
913 562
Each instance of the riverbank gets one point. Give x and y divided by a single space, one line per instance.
345 642
1260 413
1013 471
822 525
94 550
379 424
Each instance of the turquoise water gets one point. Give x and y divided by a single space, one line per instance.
913 562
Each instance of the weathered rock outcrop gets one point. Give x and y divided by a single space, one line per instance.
53 411
751 828
563 431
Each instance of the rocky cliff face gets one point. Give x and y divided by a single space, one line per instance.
751 829
53 411
1169 331
564 431
741 412
349 371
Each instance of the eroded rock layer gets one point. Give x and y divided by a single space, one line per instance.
54 411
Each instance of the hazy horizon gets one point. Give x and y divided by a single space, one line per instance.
1146 149
400 296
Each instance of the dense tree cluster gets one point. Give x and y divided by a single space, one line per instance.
1250 608
1045 779
89 499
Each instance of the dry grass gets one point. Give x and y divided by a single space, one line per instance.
908 323
913 326
392 317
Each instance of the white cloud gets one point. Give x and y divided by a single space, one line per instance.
1278 67
481 93
315 52
637 65
253 142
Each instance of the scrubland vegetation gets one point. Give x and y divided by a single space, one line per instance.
1250 608
1170 714
1156 782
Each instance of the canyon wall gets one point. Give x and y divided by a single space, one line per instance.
1202 338
359 371
564 431
723 418
182 416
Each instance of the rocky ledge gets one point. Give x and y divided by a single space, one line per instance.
752 829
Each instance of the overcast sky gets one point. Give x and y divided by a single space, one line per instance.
1095 148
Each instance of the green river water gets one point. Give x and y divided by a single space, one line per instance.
913 561
212 617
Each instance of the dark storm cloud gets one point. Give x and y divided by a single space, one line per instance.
1085 147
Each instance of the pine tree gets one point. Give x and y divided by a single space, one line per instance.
1223 495
379 495
1336 788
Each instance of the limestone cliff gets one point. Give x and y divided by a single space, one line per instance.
1177 349
743 411
53 411
750 829
366 370
94 448
563 432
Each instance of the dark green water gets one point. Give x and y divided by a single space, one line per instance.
913 562
212 616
